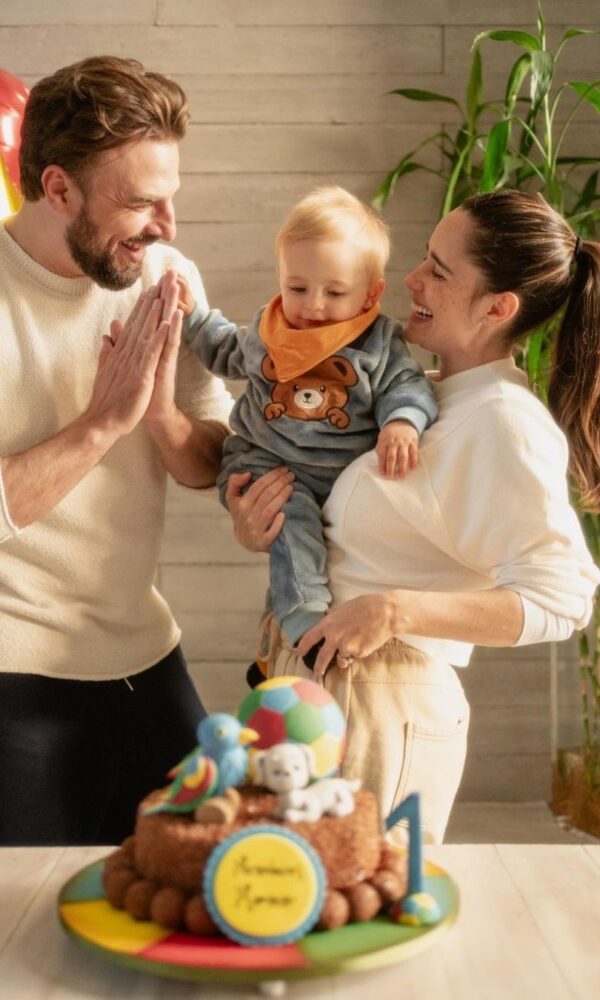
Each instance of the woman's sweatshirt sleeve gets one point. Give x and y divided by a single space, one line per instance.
504 497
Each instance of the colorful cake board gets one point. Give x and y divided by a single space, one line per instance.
89 918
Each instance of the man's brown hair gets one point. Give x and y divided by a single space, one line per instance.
94 105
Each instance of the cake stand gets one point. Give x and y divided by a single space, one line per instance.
112 934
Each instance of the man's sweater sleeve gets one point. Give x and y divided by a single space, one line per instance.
7 528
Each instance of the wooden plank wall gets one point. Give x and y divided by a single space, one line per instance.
285 96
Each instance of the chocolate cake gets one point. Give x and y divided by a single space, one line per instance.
157 873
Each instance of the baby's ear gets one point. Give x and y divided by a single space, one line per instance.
374 294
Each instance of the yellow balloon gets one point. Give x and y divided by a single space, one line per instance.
10 199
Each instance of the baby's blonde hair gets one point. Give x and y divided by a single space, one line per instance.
332 213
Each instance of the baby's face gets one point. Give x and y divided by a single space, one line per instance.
324 282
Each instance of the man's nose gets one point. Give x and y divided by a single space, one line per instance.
164 222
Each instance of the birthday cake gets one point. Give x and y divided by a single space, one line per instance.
196 858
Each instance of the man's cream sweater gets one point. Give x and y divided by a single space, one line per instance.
77 598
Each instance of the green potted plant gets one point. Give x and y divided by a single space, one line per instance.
520 140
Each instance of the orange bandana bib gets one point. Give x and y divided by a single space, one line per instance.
294 352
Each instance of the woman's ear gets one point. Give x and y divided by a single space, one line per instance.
503 307
373 295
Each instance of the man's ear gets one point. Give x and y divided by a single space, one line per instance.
60 191
374 294
503 307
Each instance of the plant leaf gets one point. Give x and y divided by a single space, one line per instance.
589 523
588 92
553 192
515 80
423 95
585 198
590 216
386 188
573 32
540 22
462 138
383 192
494 154
589 191
406 166
522 38
542 70
580 160
455 176
524 173
474 90
534 352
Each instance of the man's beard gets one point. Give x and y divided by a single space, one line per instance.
98 262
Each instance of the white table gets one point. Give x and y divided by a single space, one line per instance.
529 927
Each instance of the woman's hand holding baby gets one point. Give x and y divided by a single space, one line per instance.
397 449
353 630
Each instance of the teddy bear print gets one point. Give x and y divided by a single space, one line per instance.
319 394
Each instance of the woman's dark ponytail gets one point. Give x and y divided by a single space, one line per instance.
522 245
574 382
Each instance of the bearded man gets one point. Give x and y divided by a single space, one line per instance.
99 403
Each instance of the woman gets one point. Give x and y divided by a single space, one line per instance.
479 545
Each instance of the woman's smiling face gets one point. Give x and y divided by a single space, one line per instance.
449 308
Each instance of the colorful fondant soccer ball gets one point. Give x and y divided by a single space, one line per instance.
296 710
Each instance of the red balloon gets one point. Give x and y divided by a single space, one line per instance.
13 98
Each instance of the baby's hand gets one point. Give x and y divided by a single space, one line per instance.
397 449
185 300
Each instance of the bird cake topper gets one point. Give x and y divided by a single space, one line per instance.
218 763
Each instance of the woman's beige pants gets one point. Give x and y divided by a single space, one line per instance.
407 725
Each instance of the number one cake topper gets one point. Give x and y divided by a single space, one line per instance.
417 907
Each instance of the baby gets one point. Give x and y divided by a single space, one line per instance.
329 378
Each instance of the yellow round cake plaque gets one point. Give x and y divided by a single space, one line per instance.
264 885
